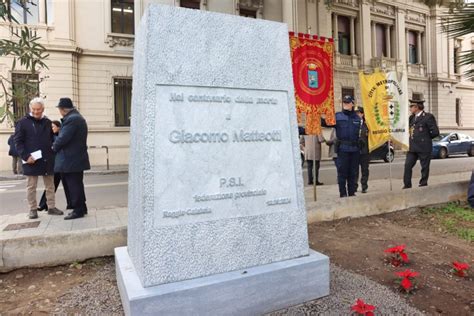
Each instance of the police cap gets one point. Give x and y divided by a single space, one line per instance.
348 99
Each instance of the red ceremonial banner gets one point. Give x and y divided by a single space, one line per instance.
313 77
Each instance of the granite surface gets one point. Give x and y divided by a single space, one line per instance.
182 47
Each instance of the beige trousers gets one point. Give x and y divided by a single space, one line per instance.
31 184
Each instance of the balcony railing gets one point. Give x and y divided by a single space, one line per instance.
347 60
384 63
352 3
417 69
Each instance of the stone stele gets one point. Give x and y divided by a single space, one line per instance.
217 220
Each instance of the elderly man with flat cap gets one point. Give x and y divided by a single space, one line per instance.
72 157
423 129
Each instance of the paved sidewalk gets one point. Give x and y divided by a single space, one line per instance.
51 225
328 193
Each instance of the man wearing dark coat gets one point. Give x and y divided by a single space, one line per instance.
364 157
16 160
470 191
71 156
423 129
33 142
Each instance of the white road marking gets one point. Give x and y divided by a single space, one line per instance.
97 185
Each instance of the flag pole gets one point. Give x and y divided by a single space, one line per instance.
315 195
390 162
314 180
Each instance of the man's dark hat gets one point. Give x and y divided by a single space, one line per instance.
416 102
65 103
359 109
348 99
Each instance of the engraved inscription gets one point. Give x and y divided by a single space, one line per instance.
222 153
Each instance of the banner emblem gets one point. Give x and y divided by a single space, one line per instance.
313 81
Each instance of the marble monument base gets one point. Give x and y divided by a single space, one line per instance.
252 291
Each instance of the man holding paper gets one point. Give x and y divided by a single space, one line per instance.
33 141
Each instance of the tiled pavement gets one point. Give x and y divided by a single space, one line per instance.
49 224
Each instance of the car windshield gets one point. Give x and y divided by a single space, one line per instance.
440 137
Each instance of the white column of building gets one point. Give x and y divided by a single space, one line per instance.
400 37
42 11
352 36
419 56
387 41
374 41
335 32
289 12
365 36
324 19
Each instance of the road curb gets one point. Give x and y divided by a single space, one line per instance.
386 202
60 248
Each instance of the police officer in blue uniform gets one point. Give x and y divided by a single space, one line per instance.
348 126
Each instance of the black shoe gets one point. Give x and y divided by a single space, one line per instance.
406 187
319 183
42 208
423 185
364 190
73 215
310 183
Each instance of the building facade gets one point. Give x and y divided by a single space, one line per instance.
90 46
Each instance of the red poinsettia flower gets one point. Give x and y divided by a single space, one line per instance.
406 284
396 249
407 276
361 308
460 269
399 253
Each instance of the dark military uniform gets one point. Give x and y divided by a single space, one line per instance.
364 156
423 129
470 191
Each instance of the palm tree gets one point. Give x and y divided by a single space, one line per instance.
460 22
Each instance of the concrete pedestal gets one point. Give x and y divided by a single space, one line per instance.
251 291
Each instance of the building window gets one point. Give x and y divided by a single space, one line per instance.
458 112
380 40
456 59
122 101
347 91
123 20
412 48
25 12
190 4
344 34
248 13
24 88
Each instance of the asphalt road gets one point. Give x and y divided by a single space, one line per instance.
111 190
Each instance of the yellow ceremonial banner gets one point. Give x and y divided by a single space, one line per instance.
374 99
385 100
